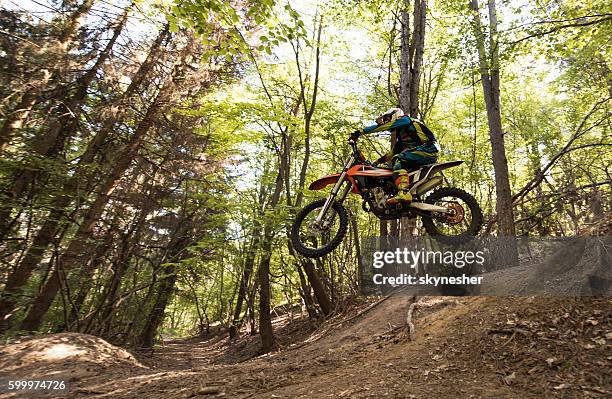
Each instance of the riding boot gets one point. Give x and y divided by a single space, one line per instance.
402 182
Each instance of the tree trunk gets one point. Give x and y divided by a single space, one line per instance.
166 286
165 290
411 59
306 296
360 265
311 273
317 287
16 119
417 49
249 262
120 266
489 72
265 321
405 60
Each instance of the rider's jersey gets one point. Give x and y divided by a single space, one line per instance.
410 131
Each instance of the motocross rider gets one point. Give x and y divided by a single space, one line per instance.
415 146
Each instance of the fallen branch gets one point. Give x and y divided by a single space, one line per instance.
409 323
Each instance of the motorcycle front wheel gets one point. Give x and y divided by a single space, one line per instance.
315 240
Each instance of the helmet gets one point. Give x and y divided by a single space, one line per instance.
390 116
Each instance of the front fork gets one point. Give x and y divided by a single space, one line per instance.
335 191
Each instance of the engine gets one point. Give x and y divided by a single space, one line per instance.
379 197
375 200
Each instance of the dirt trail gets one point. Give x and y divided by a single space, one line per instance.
463 347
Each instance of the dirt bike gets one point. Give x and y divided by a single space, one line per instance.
449 214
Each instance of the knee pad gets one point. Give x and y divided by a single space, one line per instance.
397 173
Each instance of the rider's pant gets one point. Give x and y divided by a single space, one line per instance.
412 158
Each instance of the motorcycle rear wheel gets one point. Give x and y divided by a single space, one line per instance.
306 242
454 229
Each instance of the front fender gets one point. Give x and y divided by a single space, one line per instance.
324 182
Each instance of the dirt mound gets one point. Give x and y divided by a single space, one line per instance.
70 354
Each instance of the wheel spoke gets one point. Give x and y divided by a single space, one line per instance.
313 235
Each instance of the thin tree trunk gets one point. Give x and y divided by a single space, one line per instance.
306 296
249 264
309 109
265 321
405 59
418 43
360 265
318 287
16 119
383 232
165 289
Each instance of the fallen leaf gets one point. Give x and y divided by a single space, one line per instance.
509 378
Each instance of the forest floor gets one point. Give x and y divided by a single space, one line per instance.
469 347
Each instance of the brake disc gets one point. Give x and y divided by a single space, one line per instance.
458 213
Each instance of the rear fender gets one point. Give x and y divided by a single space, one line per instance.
441 166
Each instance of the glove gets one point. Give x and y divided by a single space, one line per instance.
355 135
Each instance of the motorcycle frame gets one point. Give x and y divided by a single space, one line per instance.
351 169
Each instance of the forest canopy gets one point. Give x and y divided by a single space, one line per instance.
153 154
